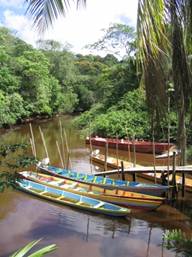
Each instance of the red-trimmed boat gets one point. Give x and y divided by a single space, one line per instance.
140 146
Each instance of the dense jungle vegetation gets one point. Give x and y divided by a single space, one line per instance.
49 80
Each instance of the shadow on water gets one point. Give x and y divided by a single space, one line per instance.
24 218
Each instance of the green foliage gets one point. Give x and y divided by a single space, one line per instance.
87 117
68 102
12 158
128 117
34 82
118 39
7 149
7 180
178 241
42 252
121 123
54 80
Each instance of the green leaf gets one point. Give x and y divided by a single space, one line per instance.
21 252
43 251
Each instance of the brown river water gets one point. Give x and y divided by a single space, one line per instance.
24 218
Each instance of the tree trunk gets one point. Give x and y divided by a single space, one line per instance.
182 137
181 77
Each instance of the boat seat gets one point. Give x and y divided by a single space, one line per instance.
70 186
74 185
120 183
28 186
80 200
60 197
54 183
99 179
81 176
42 193
99 205
109 181
90 178
72 174
133 183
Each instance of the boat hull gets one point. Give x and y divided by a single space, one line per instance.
139 146
120 197
144 188
71 199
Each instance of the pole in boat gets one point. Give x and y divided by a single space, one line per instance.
60 156
32 148
117 152
122 171
44 144
62 142
90 148
129 150
154 164
33 140
68 152
70 162
128 147
134 152
106 155
174 182
134 157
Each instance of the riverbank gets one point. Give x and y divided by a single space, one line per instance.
31 218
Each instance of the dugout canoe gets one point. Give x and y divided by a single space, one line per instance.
119 197
71 199
109 183
140 146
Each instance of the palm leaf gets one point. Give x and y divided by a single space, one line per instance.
43 251
45 12
21 252
153 54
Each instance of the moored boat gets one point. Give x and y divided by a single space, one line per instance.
144 188
110 162
120 197
140 146
71 199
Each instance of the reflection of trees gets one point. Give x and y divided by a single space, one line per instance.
8 203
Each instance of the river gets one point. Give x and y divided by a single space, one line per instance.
24 218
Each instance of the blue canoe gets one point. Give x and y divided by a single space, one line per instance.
71 199
143 188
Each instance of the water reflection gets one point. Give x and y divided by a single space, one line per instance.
24 218
31 218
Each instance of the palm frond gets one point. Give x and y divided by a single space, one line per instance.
23 251
151 25
188 26
45 12
153 53
43 251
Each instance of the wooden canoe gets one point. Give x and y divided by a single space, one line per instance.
120 197
71 199
140 146
111 162
144 188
